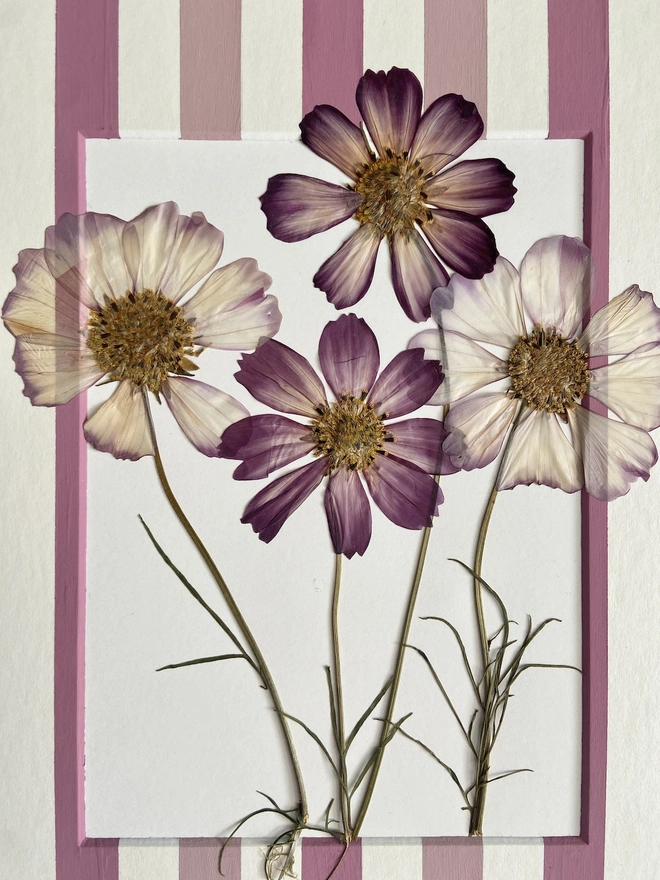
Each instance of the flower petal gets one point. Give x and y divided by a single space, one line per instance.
488 309
269 509
429 340
196 249
557 278
282 379
264 443
467 367
405 494
333 137
349 356
631 387
477 428
419 442
148 241
628 321
463 242
448 127
390 104
202 411
120 426
54 368
297 206
347 275
477 186
349 513
614 454
541 453
406 383
416 273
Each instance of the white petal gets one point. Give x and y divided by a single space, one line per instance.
628 321
486 310
120 425
54 368
203 412
148 241
429 340
630 387
557 277
477 429
541 453
614 454
467 368
196 249
243 327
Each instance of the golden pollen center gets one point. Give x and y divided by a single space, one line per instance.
349 434
393 191
548 372
141 337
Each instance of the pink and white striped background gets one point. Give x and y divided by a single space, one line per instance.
211 69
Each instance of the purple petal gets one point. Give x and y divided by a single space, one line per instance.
478 186
463 242
347 275
297 206
446 130
390 104
348 512
349 356
405 494
264 444
416 273
282 379
269 509
406 383
335 138
419 442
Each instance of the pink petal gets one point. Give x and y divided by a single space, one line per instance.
463 242
628 321
120 426
416 273
196 249
419 442
297 207
264 443
406 383
348 512
631 387
349 356
269 509
54 368
203 412
148 241
347 275
390 104
448 127
478 186
335 138
477 428
404 493
467 366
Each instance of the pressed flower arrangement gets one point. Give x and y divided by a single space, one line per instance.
362 433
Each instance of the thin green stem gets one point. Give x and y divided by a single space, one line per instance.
263 669
339 700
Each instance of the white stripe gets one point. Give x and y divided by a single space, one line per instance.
149 68
517 67
392 859
252 859
510 858
148 860
393 35
271 68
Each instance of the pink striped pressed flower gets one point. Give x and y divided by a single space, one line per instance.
534 318
351 439
102 301
402 187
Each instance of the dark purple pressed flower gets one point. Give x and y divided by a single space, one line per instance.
401 189
351 437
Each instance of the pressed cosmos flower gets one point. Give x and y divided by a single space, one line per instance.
536 317
101 300
350 438
401 189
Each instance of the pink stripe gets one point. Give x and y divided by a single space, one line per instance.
456 59
199 859
452 858
332 54
211 69
579 107
321 856
86 100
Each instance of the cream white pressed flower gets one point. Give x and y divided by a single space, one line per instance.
525 328
102 300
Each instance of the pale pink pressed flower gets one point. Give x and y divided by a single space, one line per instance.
535 317
102 300
401 188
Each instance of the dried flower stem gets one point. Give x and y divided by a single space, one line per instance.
339 701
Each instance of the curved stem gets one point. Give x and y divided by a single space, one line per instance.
339 699
263 669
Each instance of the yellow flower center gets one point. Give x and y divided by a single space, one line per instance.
141 337
393 191
548 372
349 434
